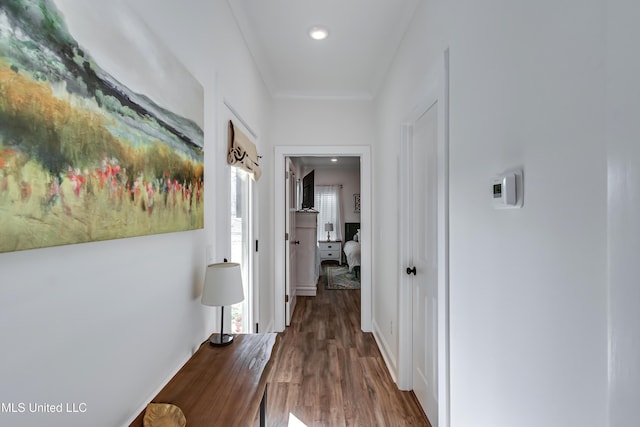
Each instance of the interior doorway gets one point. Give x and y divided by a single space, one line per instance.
281 154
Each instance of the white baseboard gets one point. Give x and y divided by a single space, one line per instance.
269 328
306 290
293 303
388 357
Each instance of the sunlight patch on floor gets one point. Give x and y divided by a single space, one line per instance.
295 422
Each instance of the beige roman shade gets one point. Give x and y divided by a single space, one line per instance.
242 152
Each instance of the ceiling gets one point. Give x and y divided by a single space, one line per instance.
351 63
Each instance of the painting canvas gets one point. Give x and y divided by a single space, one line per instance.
100 128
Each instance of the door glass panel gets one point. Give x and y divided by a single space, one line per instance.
240 246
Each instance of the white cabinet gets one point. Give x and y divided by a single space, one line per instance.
307 254
330 250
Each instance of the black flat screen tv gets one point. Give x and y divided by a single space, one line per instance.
307 191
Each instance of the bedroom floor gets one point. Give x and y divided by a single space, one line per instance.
327 372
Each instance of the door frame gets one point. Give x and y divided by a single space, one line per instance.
362 151
289 277
434 88
226 112
252 289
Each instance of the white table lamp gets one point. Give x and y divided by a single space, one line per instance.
222 286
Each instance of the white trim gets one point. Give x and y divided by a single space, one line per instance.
255 257
405 291
444 383
293 292
359 96
306 291
268 327
385 350
362 151
435 88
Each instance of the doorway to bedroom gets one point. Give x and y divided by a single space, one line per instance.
345 182
330 194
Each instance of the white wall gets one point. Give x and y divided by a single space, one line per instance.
623 128
107 323
215 47
528 297
323 122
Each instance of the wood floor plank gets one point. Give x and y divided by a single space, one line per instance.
327 372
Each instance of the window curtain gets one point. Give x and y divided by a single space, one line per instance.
328 203
242 153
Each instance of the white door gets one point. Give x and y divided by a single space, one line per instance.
290 244
424 252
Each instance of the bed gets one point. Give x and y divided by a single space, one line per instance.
351 247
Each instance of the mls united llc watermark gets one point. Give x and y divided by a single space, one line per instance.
42 408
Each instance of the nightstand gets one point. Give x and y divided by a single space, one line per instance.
330 250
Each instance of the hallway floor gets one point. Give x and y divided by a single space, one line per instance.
327 372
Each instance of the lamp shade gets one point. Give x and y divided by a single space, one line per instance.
222 284
328 226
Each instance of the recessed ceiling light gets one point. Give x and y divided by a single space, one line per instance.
334 160
318 33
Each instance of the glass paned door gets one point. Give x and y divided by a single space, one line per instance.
241 237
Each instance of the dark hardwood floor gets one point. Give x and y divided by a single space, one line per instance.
327 372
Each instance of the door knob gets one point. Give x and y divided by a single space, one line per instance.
296 242
411 270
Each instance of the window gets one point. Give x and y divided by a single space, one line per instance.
327 203
241 237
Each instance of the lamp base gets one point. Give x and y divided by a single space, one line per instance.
220 340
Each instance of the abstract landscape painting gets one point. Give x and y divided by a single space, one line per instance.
83 157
